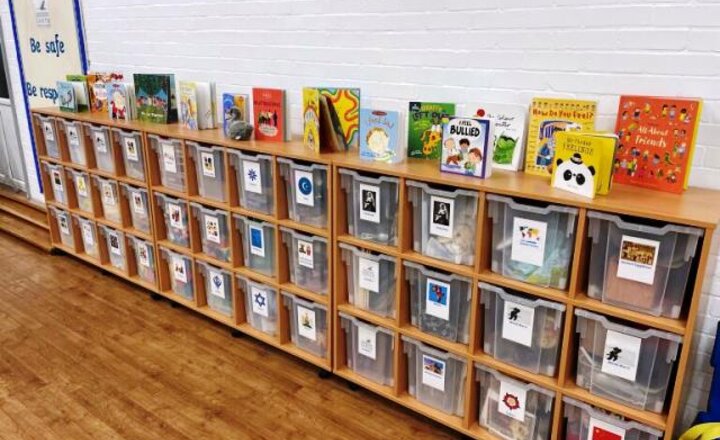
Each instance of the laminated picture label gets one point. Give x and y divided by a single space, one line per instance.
131 149
252 177
528 241
370 203
259 301
257 243
437 299
517 324
306 323
305 192
433 372
441 216
638 259
621 355
367 341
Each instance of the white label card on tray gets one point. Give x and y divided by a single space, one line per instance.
73 138
87 234
257 241
99 141
528 241
57 180
370 203
622 355
131 149
137 202
114 243
511 400
217 283
433 372
259 301
64 227
81 186
601 430
517 324
144 254
304 188
252 177
208 164
305 253
306 323
169 160
638 259
367 341
369 276
49 131
108 194
212 229
437 299
176 218
179 272
441 216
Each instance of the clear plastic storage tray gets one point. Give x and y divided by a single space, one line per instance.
521 331
583 419
307 191
131 145
370 280
56 176
81 183
109 198
88 233
144 254
308 324
218 288
171 161
369 349
258 241
261 305
210 170
64 225
444 222
533 244
137 199
180 273
512 409
47 125
175 213
435 377
75 141
254 174
308 255
115 242
372 206
214 231
651 262
439 302
623 363
103 147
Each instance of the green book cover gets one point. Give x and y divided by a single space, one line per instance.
155 99
425 125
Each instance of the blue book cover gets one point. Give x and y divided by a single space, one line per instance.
467 146
380 135
234 113
66 96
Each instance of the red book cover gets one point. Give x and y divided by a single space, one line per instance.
656 141
269 114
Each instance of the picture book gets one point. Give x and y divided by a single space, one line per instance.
467 145
656 141
425 121
583 162
155 99
234 114
269 110
97 92
66 96
547 117
79 83
206 105
311 118
509 122
331 118
120 97
197 105
380 138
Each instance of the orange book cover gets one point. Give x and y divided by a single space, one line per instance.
656 141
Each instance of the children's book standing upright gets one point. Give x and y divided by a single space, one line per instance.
311 119
269 115
380 138
155 99
425 121
509 122
656 141
467 146
234 114
188 107
97 91
66 96
119 101
547 117
331 118
583 162
79 83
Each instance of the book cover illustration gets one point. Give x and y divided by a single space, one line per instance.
583 162
79 83
311 118
547 117
234 115
155 99
380 135
425 121
188 106
269 114
119 101
343 108
656 141
66 96
467 146
510 121
97 90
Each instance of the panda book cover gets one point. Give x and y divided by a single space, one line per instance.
547 117
380 135
425 122
467 146
583 162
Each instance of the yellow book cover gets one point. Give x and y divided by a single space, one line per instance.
311 118
583 162
547 117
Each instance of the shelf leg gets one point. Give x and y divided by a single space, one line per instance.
236 333
352 385
174 305
324 374
156 297
56 252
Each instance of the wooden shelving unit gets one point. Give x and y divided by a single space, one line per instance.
694 208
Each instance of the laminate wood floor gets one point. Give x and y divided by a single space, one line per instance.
88 356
